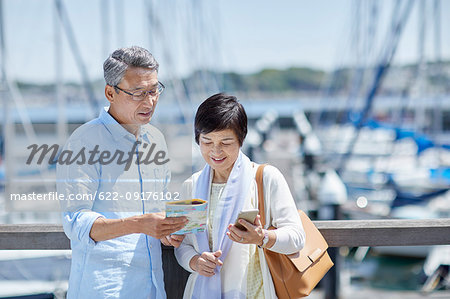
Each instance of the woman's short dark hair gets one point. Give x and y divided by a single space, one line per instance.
220 112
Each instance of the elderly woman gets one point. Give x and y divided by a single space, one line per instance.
227 262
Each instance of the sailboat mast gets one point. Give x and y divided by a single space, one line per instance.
7 126
104 17
437 109
420 117
61 126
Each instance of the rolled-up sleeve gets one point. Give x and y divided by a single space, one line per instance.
290 234
78 185
77 225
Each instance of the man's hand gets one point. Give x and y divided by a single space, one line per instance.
172 240
153 224
159 226
206 263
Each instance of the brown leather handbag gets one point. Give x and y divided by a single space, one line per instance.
296 275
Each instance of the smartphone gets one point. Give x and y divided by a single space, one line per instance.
248 215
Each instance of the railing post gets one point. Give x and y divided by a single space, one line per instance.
331 280
332 195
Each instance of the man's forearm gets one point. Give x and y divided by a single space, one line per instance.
155 225
106 229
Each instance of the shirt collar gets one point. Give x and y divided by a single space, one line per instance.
116 129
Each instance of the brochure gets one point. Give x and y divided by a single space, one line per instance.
194 209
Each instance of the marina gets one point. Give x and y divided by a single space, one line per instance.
365 151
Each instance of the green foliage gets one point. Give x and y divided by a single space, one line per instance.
272 80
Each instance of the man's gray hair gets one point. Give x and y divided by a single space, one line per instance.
117 63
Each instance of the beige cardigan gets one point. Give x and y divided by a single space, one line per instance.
280 211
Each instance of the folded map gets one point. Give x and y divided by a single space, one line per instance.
194 209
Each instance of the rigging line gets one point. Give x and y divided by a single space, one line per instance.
437 29
9 123
201 51
437 119
362 76
370 42
194 47
414 78
120 23
60 99
192 50
420 120
14 91
10 86
180 91
380 72
2 39
362 44
6 116
64 18
28 25
358 73
329 81
196 12
216 35
373 29
104 22
212 44
390 36
147 13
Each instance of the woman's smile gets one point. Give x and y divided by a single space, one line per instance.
218 160
220 150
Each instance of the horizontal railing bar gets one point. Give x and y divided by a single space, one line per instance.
30 228
339 233
385 232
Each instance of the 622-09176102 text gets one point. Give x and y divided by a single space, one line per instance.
139 196
51 196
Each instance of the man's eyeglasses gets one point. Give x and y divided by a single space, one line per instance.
140 95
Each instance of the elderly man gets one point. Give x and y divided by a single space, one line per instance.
111 215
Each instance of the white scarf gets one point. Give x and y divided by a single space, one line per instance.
234 195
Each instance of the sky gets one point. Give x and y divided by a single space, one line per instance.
226 35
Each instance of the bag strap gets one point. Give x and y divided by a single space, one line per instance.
260 184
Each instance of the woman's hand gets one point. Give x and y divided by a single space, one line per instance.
253 235
206 263
172 240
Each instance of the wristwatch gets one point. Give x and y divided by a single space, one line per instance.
265 239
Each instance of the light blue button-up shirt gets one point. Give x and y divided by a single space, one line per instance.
129 266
